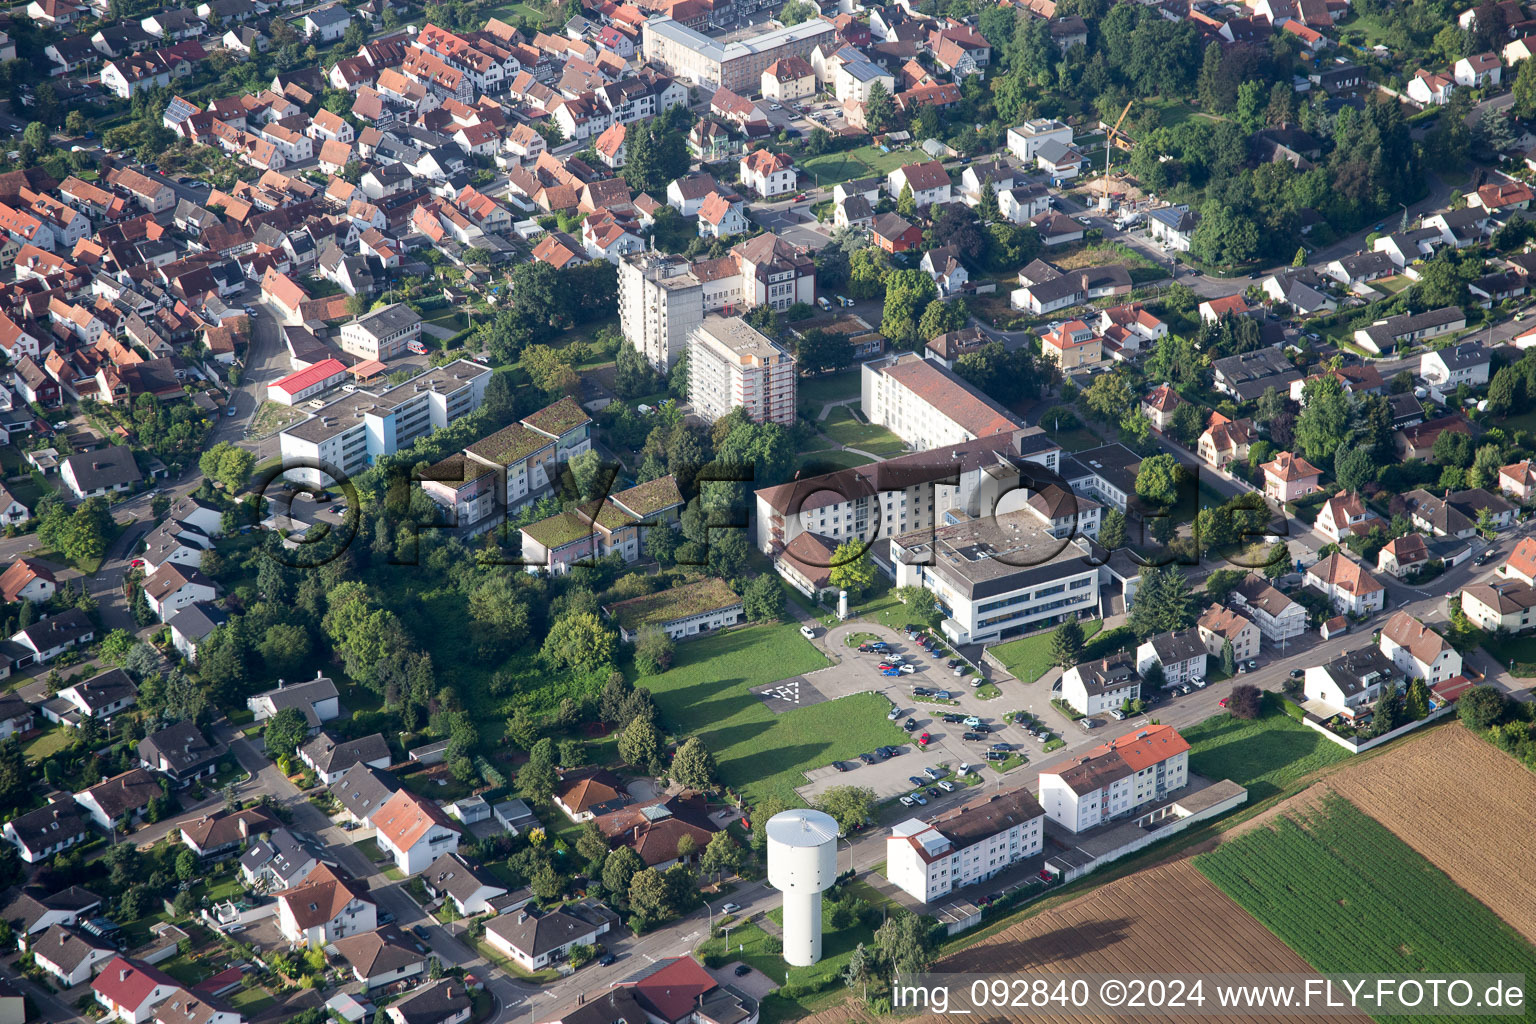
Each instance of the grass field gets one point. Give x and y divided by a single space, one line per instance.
1265 754
847 430
49 743
707 694
834 387
865 162
1347 895
831 461
1030 658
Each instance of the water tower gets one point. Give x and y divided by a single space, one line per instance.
802 863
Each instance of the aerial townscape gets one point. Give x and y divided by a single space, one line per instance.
696 511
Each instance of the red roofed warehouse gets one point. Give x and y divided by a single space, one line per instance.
308 382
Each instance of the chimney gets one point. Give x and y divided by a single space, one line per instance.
245 828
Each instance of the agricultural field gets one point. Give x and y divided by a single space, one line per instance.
1349 896
1123 928
1469 837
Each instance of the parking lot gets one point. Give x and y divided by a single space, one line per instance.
892 777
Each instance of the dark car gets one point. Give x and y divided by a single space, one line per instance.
972 736
867 758
910 725
915 780
1297 673
865 648
606 959
742 970
933 791
879 645
954 719
838 766
983 728
420 931
921 691
996 755
952 663
890 751
1000 746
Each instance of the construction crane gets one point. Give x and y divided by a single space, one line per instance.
1109 145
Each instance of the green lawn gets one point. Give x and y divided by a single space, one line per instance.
834 387
49 743
1078 439
844 428
707 693
251 1000
814 463
1517 653
1030 658
864 162
1347 895
1265 754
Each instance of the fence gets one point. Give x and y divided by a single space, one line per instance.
1354 746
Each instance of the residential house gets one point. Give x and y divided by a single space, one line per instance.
1403 556
330 758
27 579
1181 655
414 831
130 990
1219 625
99 697
1103 685
323 908
277 861
317 699
121 798
225 832
1501 604
1351 682
1159 405
1418 651
1278 617
470 889
444 1001
1349 586
1115 778
1448 368
181 752
1289 477
1225 441
1344 515
382 957
929 182
175 586
536 940
100 472
70 957
39 834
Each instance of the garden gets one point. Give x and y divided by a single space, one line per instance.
1265 754
1030 658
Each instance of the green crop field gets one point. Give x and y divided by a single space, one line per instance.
707 693
1265 754
1349 896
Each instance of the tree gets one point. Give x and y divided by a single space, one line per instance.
1108 396
1112 531
906 201
1481 707
941 317
640 745
1244 701
1162 602
538 777
852 806
907 295
693 765
762 600
284 732
1416 700
722 857
1524 91
852 568
1354 467
579 642
922 606
654 651
592 844
761 814
905 942
1228 658
796 11
186 865
1157 481
1324 424
879 109
1067 644
619 869
817 349
227 464
649 895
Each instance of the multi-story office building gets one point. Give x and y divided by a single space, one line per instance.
732 365
738 65
382 334
1114 779
997 575
926 405
510 468
969 844
348 434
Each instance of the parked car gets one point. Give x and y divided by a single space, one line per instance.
918 798
1252 664
878 645
925 739
808 632
973 721
1222 703
420 931
907 801
972 736
867 758
996 755
607 960
865 648
947 786
895 714
890 751
932 773
921 691
1001 746
1297 673
891 670
953 719
742 970
838 766
910 725
914 780
1117 715
1088 724
943 694
730 908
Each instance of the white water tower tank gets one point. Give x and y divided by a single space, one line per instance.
802 863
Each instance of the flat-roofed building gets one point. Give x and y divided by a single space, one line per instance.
737 65
732 365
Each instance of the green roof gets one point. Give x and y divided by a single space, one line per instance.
651 497
457 471
558 418
707 595
558 531
508 445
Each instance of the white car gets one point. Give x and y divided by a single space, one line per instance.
349 388
729 908
947 786
906 801
808 632
907 670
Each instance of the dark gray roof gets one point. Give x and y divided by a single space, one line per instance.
287 856
37 830
1354 671
110 687
535 934
183 746
1177 646
363 790
1460 357
433 1002
107 467
452 875
197 620
330 755
303 696
66 949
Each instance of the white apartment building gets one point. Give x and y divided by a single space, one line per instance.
1279 619
509 468
382 334
732 365
737 66
661 301
351 432
1094 687
1114 779
963 846
897 496
926 405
